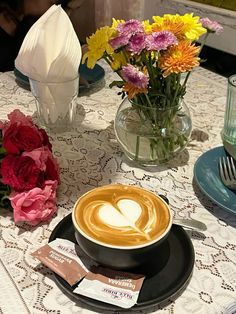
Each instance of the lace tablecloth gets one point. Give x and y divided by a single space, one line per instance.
90 157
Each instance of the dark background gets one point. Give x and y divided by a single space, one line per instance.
218 61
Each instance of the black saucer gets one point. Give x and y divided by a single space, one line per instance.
166 275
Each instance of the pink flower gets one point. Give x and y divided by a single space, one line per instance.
127 30
134 76
36 205
136 43
211 26
130 27
119 41
160 40
20 134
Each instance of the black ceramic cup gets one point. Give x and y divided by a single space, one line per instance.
121 257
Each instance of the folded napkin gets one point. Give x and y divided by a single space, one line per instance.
51 50
51 53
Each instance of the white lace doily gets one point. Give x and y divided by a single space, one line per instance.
90 157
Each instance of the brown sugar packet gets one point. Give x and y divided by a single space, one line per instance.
61 257
111 286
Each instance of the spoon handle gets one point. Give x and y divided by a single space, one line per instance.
190 224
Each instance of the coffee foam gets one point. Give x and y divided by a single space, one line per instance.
122 215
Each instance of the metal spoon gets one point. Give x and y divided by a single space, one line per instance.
192 224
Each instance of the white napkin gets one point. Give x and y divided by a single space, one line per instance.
51 52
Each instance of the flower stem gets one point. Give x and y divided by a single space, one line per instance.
168 91
200 49
185 81
149 68
203 42
177 85
148 100
137 147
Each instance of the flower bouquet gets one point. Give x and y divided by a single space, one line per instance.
29 174
150 59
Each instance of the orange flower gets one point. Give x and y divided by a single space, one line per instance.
180 58
132 90
173 24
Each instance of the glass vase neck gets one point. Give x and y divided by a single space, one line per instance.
155 106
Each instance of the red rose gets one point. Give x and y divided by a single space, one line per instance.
18 138
45 162
20 172
29 170
16 116
45 139
20 134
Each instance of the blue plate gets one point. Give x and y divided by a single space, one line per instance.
207 177
92 76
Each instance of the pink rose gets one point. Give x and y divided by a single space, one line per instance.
29 170
36 205
20 134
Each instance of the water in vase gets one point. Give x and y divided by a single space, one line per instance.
149 144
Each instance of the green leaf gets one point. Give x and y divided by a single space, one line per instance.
5 203
2 150
117 83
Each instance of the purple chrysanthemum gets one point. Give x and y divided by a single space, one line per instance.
130 27
119 41
134 76
160 40
211 26
136 43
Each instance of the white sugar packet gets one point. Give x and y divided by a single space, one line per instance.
61 256
111 286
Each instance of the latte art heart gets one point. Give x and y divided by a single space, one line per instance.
110 216
122 215
125 213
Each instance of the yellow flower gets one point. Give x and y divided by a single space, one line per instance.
98 44
147 27
118 60
179 58
192 28
157 19
115 23
183 27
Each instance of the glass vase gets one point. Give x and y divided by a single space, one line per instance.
152 135
229 130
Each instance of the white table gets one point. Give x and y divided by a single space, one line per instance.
90 157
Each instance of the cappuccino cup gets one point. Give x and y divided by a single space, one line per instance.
121 226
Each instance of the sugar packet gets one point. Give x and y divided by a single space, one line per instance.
111 286
61 256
